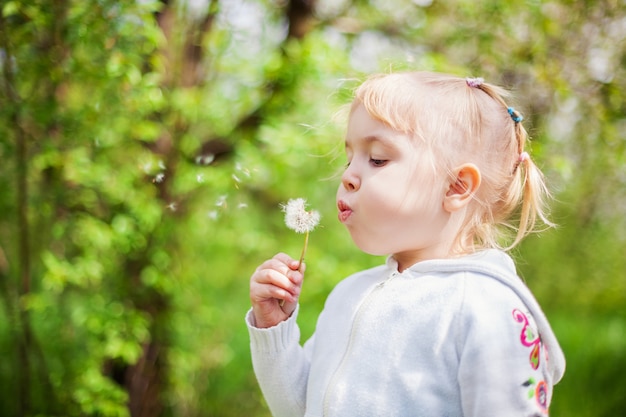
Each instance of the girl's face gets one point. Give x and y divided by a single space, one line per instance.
390 198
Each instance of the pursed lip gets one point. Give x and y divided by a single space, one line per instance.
344 211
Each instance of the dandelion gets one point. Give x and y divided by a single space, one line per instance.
301 221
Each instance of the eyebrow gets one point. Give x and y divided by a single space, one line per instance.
373 138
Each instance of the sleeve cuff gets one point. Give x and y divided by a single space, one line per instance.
276 338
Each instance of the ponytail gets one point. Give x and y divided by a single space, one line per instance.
534 195
526 192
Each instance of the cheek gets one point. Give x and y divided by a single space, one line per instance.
417 195
424 204
400 210
417 209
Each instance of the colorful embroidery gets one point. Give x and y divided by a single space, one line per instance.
541 395
538 390
529 338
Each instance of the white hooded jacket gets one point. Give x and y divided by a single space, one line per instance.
451 337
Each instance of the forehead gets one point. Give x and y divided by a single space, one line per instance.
363 129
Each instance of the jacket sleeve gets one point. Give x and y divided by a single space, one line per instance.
281 365
503 369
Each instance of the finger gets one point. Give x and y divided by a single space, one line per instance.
280 262
273 278
296 277
286 266
260 293
285 259
275 275
293 264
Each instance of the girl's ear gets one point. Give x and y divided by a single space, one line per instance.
463 187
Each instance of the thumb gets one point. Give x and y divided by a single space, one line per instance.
296 265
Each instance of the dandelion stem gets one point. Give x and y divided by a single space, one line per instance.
306 243
301 221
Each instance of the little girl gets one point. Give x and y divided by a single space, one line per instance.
436 175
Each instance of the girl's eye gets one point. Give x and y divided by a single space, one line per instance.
378 162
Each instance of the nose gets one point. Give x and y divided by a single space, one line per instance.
350 179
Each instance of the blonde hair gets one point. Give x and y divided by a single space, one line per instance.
467 121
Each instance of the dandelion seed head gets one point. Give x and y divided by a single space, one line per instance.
297 218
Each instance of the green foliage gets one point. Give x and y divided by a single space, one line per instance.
146 148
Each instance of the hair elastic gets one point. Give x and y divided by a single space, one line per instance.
474 82
523 157
515 115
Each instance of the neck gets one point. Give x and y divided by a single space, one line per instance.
408 258
448 247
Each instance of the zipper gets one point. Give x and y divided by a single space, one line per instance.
355 322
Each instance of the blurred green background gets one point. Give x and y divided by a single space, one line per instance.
145 147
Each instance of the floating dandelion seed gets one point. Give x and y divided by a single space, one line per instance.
240 168
221 201
301 221
159 177
205 159
147 167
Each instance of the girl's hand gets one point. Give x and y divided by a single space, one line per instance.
274 280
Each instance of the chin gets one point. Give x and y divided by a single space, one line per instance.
372 244
371 249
